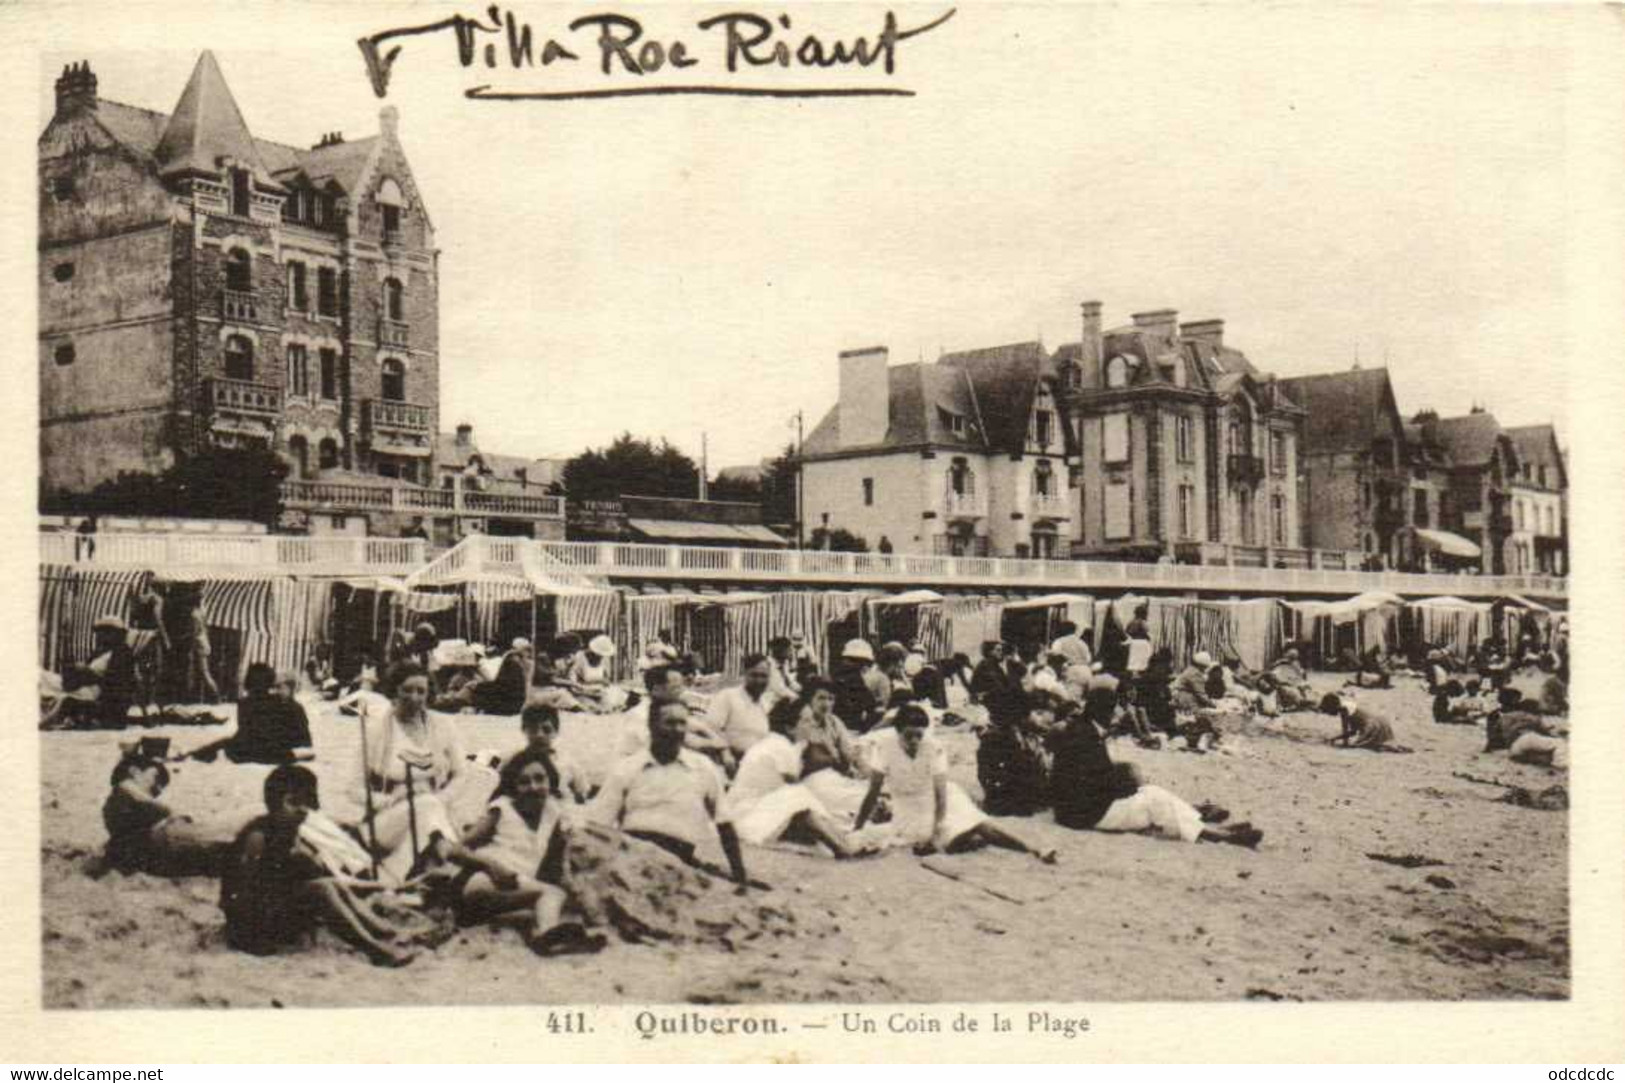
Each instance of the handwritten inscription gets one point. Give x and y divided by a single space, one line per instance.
622 48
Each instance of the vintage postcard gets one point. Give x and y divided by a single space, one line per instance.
813 531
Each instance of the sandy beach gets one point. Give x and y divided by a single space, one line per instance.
1309 916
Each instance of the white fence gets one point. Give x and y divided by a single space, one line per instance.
400 556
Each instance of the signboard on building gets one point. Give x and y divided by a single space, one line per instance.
591 520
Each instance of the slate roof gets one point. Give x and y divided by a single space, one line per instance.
1345 408
206 123
1469 440
991 389
1537 445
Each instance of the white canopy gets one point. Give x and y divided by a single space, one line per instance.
1451 545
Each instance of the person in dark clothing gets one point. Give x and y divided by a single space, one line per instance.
274 891
1012 764
1090 792
506 694
855 704
1153 695
143 835
118 680
272 727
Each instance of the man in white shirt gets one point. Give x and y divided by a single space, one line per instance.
1071 644
669 795
739 715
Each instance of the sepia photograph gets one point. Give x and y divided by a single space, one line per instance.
823 505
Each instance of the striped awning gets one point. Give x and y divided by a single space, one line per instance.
1451 545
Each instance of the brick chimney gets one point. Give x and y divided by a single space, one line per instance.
465 436
1209 331
1162 322
865 405
75 89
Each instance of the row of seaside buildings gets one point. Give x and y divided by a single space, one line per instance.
200 287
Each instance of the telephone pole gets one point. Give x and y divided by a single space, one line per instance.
705 468
801 488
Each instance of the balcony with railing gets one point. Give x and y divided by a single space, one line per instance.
1049 506
273 554
238 306
966 505
1244 469
341 496
241 397
381 415
392 334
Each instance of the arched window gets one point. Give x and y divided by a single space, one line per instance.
327 454
394 384
239 270
394 299
239 358
299 452
1117 372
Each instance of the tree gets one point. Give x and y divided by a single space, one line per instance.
217 483
631 466
837 541
741 490
779 488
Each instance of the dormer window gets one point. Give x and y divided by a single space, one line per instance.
1117 372
1043 429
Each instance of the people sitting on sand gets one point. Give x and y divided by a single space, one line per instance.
1151 694
1070 645
739 714
855 700
669 684
145 835
956 674
831 763
1012 761
659 651
1292 683
516 855
783 680
421 647
1554 694
1189 689
272 726
1451 706
1361 727
101 691
768 800
929 811
1266 701
318 673
364 697
274 892
590 675
1090 792
539 722
507 691
1526 738
412 756
1372 670
669 795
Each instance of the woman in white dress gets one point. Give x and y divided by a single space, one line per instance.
831 766
928 811
517 855
413 756
768 801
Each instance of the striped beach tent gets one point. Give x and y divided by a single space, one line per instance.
72 600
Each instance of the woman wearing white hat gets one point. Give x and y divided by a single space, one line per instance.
589 671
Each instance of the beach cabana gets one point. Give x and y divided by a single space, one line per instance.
1352 624
1033 621
904 618
1450 622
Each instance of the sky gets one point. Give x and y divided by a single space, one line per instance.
1335 183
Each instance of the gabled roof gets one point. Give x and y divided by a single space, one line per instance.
207 126
213 122
989 389
1537 445
1345 408
1004 380
1469 440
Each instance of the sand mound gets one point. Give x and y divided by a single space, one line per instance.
646 894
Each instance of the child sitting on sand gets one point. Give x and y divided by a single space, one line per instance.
928 810
516 853
540 724
1452 707
274 891
143 835
1011 762
1361 728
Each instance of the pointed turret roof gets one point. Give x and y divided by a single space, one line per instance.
207 126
